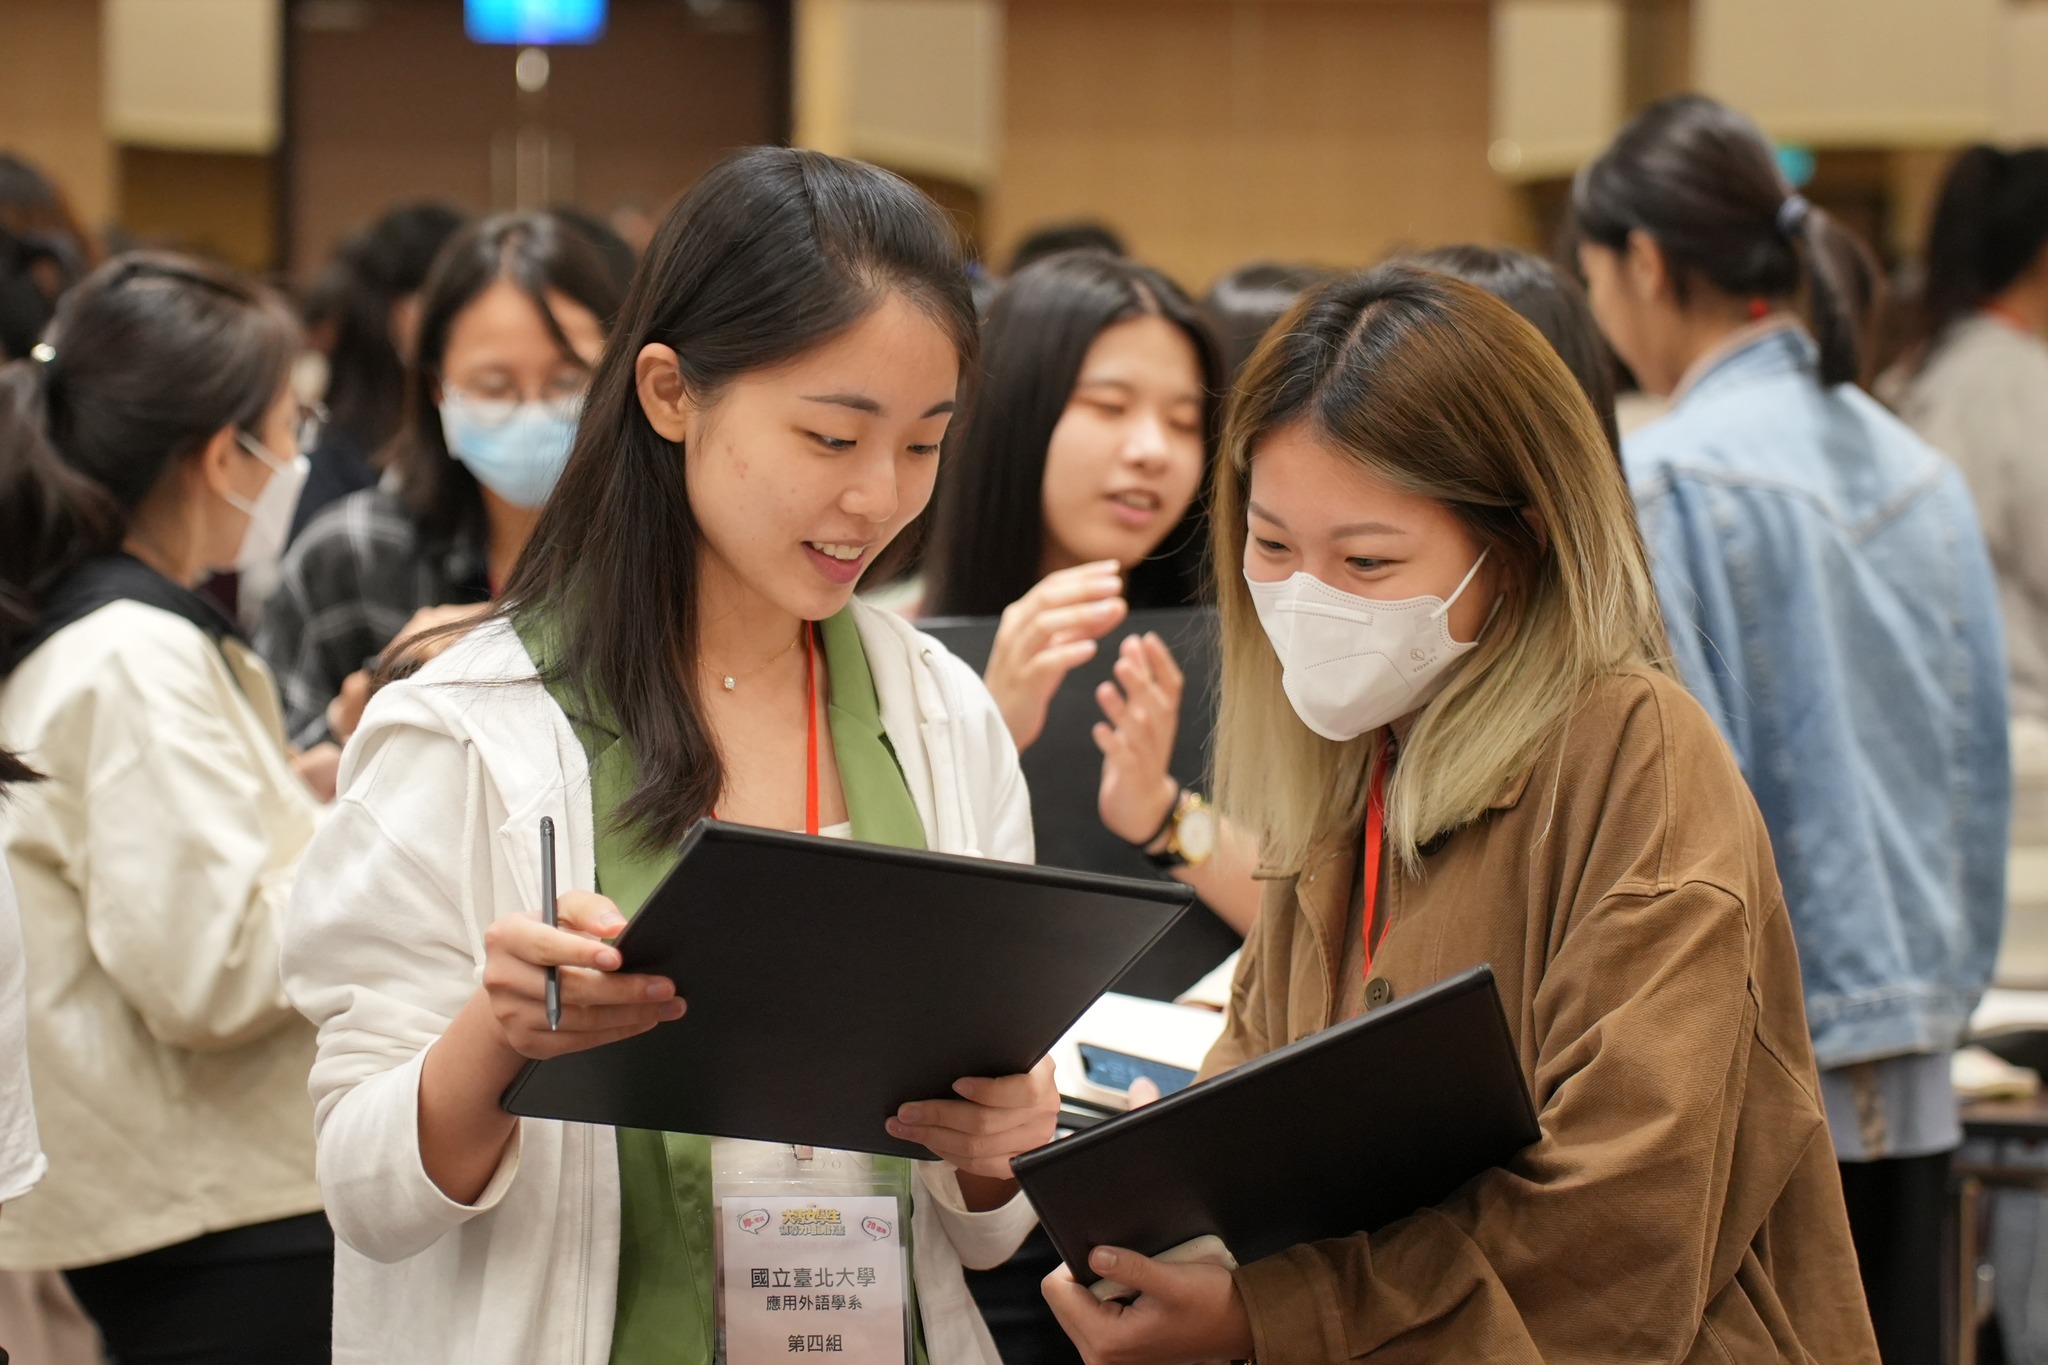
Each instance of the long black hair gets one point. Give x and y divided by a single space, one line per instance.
148 358
774 252
370 273
536 252
1990 224
988 528
1701 181
1553 302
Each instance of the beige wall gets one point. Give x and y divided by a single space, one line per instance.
915 85
197 75
1213 132
1559 83
1855 73
50 99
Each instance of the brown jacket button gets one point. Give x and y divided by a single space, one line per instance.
1378 991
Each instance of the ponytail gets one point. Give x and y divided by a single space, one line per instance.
1841 295
1701 180
1990 224
51 517
144 362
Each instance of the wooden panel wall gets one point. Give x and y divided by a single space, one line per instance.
1212 132
50 99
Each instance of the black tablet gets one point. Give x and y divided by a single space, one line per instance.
1343 1132
830 981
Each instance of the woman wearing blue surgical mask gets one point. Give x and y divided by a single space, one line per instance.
150 440
512 318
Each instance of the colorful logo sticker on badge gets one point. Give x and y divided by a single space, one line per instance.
753 1220
876 1228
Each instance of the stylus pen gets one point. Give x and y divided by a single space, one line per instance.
547 915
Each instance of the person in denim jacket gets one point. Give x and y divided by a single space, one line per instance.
1832 604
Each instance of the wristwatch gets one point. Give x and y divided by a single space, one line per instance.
1190 831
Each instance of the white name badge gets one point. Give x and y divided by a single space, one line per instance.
810 1276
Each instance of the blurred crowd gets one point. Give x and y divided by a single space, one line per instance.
232 516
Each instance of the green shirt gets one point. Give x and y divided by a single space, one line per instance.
667 1274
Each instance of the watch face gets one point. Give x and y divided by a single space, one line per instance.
1197 833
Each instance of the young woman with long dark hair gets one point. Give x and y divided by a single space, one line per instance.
1824 575
510 322
365 308
1072 496
677 635
150 440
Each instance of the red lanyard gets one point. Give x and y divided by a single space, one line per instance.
810 730
2010 318
1375 838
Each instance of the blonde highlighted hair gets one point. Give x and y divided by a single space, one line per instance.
1439 389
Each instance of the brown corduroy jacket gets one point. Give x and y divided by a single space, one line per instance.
1683 1203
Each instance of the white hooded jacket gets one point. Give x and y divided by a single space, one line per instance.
430 841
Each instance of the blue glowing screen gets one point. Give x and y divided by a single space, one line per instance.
536 22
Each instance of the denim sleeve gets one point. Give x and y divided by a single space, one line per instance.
1984 773
1695 609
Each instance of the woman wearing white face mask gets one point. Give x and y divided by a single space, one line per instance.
512 318
1444 706
149 442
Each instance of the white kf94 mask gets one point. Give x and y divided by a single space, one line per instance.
1351 664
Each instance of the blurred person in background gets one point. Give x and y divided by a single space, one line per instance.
1553 302
150 441
366 311
619 255
1082 234
33 207
1243 306
1831 603
43 252
511 321
1974 382
32 278
1071 495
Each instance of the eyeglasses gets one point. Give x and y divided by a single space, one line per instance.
495 412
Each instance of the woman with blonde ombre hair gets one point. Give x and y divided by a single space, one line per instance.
1445 706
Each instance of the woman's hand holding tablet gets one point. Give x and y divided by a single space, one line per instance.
1182 1313
992 1121
599 1005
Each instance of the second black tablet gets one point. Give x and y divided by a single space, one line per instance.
829 982
1342 1132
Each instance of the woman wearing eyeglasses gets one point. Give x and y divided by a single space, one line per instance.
512 317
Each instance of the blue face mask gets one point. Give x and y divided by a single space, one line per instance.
517 450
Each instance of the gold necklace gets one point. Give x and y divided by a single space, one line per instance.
732 680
